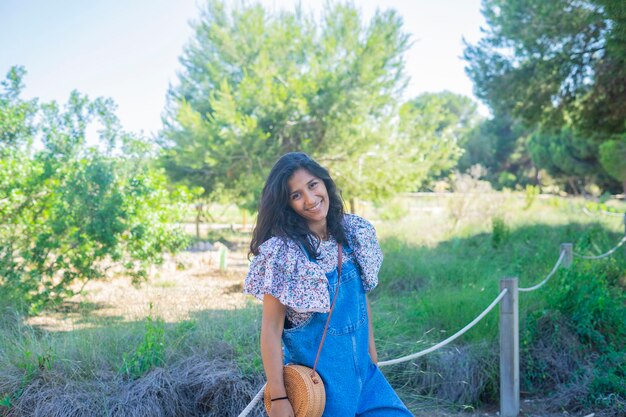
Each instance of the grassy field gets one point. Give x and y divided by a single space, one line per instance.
186 342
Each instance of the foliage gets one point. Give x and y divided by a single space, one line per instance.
433 126
432 283
543 60
613 159
530 196
256 85
151 351
499 144
499 232
592 297
559 68
68 211
567 154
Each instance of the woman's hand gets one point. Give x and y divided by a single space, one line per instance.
281 408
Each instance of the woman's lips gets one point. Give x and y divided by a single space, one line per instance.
316 207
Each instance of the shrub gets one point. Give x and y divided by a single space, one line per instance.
499 232
151 351
69 212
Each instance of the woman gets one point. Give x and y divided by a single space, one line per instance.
294 272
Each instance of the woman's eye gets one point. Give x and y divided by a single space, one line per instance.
313 184
295 196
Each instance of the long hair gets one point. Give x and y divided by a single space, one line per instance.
277 219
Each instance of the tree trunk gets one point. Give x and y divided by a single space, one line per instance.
198 219
352 204
572 185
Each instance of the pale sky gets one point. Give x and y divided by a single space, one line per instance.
128 49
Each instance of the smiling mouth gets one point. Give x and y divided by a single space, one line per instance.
315 207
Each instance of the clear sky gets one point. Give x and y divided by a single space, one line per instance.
128 49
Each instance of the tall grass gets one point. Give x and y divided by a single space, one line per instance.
437 276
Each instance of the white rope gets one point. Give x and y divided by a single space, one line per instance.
541 284
604 255
448 340
255 400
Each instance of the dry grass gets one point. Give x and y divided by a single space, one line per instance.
196 386
188 283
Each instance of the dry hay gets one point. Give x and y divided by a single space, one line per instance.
196 386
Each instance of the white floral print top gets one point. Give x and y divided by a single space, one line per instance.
283 270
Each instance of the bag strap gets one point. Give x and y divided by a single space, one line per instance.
330 313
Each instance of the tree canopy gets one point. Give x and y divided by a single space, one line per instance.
256 85
70 211
553 62
559 68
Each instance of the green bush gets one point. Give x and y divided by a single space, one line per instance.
68 211
530 195
150 353
499 232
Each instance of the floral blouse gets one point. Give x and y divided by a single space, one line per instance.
283 270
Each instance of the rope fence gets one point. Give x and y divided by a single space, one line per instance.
604 255
509 332
448 340
564 254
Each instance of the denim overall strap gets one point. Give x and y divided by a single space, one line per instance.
332 307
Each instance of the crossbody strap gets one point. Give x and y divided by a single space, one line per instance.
330 313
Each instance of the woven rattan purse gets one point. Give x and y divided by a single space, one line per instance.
304 386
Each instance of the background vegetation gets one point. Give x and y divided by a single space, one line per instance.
437 276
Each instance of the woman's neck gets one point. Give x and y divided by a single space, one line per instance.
320 230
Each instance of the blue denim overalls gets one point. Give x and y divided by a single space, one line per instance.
354 385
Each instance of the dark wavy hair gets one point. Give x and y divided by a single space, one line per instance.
277 219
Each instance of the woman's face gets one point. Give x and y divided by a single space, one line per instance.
308 197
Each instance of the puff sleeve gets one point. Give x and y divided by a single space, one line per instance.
362 238
282 270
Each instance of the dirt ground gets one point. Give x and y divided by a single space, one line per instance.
193 281
189 282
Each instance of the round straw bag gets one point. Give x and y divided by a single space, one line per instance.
304 386
305 391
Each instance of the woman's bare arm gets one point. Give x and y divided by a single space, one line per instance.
271 353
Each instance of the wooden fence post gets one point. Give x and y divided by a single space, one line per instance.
509 349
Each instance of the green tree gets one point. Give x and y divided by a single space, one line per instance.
543 60
499 144
568 155
433 126
555 64
613 159
255 86
68 211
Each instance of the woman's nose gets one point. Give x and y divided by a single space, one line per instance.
308 198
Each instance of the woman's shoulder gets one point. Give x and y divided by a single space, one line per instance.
357 225
276 249
362 239
282 270
274 244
